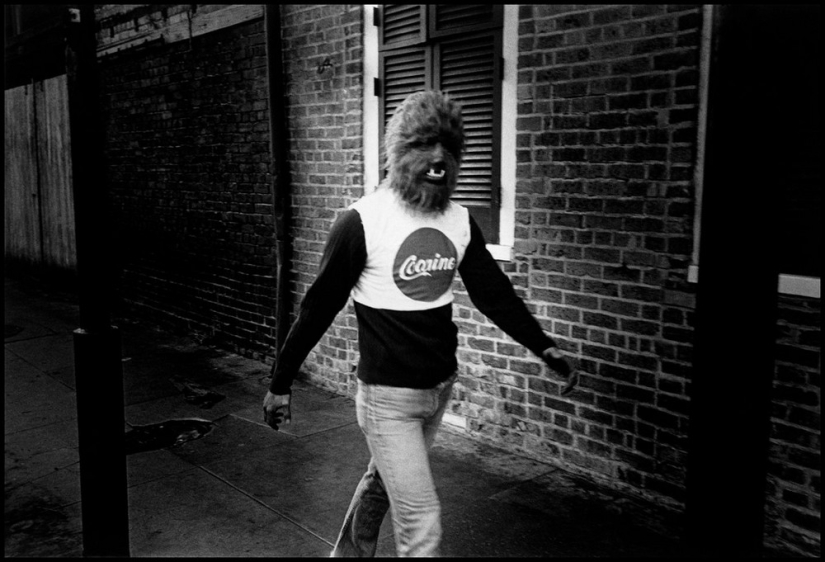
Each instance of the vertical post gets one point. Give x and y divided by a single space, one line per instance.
736 302
98 367
279 149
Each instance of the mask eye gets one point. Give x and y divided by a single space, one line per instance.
453 147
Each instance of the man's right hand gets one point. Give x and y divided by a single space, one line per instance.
277 409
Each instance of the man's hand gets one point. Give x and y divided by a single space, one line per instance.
277 409
555 359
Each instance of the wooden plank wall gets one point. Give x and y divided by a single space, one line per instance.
39 205
21 214
57 202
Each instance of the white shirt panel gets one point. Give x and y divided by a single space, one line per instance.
412 257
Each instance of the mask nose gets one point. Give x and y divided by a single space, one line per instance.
437 156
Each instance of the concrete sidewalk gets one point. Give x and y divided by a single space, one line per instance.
246 490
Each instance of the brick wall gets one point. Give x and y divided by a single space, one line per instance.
323 59
607 108
794 480
187 147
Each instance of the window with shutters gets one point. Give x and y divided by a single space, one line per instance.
457 49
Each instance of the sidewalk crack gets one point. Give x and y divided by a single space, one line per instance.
270 508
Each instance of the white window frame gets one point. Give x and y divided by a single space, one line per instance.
796 285
503 251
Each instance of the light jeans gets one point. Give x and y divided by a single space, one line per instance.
400 425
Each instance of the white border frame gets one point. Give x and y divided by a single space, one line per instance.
371 106
503 251
701 137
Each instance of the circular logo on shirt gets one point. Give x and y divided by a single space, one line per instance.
425 265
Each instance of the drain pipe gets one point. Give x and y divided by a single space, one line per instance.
281 188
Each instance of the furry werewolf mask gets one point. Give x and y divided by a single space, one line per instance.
423 144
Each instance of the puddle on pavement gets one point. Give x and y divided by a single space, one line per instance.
170 433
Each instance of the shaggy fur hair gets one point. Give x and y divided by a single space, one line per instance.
423 146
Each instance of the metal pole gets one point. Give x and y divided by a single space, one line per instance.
98 367
736 302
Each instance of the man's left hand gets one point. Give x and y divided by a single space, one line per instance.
559 364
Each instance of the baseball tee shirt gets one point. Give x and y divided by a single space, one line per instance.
398 265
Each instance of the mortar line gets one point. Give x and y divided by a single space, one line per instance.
275 511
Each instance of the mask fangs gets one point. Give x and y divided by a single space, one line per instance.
436 175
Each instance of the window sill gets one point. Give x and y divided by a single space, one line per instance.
799 286
500 253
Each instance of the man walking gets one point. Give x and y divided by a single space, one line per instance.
396 252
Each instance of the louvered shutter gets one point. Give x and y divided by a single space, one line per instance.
402 24
455 48
467 69
404 71
447 18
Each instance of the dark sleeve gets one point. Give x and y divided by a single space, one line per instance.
494 296
344 257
